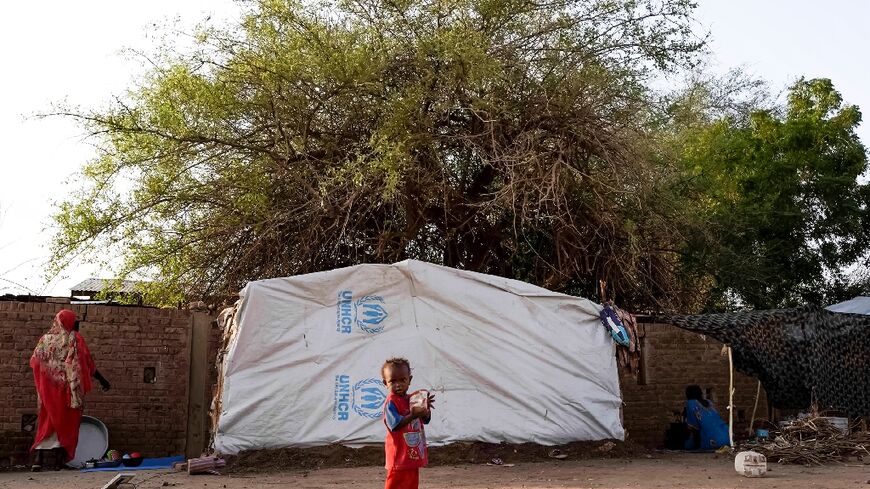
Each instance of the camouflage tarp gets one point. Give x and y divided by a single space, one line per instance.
801 356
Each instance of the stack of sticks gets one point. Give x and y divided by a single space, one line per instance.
814 441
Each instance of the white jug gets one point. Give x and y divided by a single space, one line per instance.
750 464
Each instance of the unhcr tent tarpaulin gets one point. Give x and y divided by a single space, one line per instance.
506 360
801 356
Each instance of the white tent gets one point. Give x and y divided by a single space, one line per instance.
506 360
856 305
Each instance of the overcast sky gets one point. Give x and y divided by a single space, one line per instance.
73 51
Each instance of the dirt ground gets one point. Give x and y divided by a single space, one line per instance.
337 456
657 470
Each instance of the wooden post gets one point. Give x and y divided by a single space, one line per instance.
198 402
730 398
754 409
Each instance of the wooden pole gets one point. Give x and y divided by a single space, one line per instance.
730 398
754 408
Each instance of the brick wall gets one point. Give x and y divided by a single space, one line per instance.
152 417
675 358
147 417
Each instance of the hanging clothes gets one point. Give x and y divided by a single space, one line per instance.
628 357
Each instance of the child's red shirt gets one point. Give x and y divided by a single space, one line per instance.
405 447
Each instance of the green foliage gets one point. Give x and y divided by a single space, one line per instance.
504 136
781 212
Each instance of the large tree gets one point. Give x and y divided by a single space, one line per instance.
782 211
503 136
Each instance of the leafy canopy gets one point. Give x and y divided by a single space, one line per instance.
781 212
504 136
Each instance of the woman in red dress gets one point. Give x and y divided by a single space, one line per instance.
62 370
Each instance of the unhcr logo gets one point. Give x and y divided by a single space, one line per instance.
367 312
366 398
341 408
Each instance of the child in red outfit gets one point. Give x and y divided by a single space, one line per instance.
405 445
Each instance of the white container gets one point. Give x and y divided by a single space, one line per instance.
420 398
750 464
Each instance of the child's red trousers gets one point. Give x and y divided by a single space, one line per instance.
403 479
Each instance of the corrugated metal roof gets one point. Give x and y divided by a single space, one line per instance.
98 284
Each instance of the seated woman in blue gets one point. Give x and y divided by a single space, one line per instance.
707 430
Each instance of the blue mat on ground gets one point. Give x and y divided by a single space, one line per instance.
147 464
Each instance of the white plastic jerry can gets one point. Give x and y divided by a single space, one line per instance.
750 464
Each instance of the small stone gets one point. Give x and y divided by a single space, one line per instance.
607 447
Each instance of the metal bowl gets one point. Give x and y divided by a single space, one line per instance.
108 464
132 462
93 442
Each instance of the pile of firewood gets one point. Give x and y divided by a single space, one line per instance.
813 441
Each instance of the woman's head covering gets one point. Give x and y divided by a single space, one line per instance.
694 393
66 318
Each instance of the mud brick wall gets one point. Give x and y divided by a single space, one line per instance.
153 417
149 417
674 358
